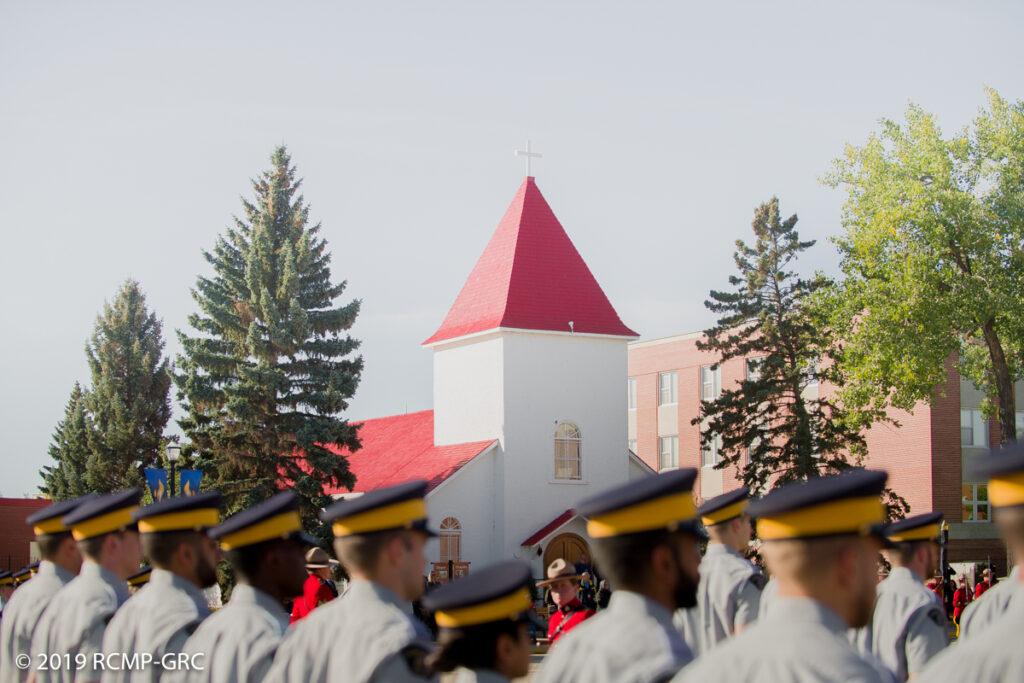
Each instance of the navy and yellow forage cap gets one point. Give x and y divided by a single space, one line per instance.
664 501
274 518
49 520
104 514
838 504
140 578
724 507
1004 470
22 575
495 593
188 513
33 568
926 527
6 578
396 507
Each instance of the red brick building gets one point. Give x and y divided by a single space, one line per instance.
16 539
926 456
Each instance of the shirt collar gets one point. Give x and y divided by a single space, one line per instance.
168 579
806 611
93 570
246 594
721 549
361 588
628 602
47 568
905 574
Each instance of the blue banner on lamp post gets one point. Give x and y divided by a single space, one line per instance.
190 482
156 479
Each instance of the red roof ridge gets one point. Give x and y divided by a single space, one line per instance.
546 530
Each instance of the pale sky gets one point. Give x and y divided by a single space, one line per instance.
129 131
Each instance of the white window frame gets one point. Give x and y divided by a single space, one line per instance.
974 503
450 535
973 429
750 373
811 374
631 393
671 453
568 452
631 445
709 457
710 379
668 383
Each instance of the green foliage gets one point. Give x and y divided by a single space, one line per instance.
269 367
791 433
70 450
933 254
129 403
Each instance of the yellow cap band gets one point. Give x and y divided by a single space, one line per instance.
275 527
6 581
140 579
394 516
1006 490
726 513
660 513
503 608
104 524
49 526
848 515
924 533
180 521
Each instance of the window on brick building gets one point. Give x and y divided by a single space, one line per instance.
754 368
973 429
1020 425
668 452
451 540
568 451
667 387
710 382
631 393
975 503
711 454
811 374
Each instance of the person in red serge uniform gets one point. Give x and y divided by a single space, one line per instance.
318 588
983 585
563 582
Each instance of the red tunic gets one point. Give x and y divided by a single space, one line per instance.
961 598
980 588
315 592
566 618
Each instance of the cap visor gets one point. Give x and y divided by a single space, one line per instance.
879 532
421 525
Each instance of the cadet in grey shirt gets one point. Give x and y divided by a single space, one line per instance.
61 562
990 607
266 548
645 542
729 594
155 623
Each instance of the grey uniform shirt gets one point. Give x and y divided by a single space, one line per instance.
21 616
74 623
479 676
632 640
155 623
909 626
768 595
992 604
366 634
996 657
799 641
728 596
237 642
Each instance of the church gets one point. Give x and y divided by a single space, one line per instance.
529 417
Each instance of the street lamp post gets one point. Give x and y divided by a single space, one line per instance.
173 453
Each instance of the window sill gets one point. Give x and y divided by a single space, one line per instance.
570 482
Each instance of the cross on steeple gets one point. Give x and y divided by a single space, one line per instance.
529 155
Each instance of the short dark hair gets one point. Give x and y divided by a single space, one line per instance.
626 560
362 551
49 544
93 547
474 647
246 561
160 547
904 552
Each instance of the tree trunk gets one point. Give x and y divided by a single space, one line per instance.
1006 400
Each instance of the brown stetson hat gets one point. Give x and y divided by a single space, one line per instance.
559 570
317 558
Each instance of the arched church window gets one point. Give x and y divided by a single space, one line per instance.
451 540
568 451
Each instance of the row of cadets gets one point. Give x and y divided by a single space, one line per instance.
998 655
265 546
163 614
61 560
729 592
369 633
646 541
74 621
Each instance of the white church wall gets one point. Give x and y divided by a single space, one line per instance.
468 497
468 398
551 378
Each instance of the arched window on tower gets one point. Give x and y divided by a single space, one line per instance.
568 452
451 540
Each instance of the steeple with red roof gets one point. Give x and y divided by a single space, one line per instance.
530 277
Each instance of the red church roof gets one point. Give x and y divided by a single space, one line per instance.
401 448
551 526
531 277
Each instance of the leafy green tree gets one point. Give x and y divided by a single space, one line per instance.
70 450
270 369
129 404
933 256
789 432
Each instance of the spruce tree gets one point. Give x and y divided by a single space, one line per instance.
270 367
129 403
788 432
70 450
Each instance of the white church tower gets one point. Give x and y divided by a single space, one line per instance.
532 354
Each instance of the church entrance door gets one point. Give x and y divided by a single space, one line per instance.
565 546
